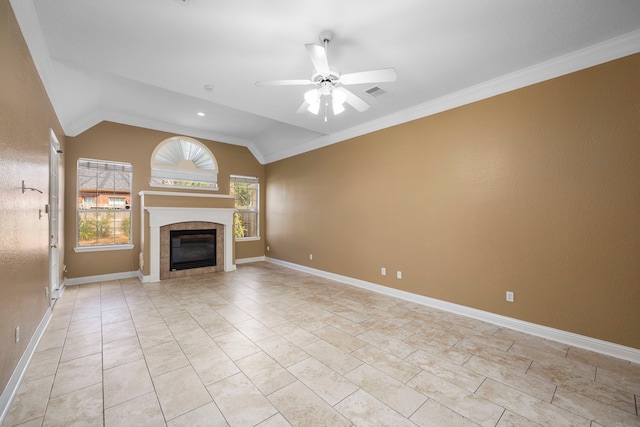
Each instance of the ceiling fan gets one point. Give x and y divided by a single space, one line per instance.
330 83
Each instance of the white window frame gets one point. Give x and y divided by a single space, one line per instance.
256 209
184 159
125 167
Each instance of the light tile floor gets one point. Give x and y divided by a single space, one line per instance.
270 346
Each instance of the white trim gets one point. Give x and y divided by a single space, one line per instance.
248 239
609 50
27 17
569 338
182 194
81 249
143 122
249 260
100 278
11 389
57 293
195 188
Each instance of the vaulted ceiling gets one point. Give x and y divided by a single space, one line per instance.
157 63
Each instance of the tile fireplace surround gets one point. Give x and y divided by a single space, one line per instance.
165 249
163 216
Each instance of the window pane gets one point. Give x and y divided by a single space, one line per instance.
246 191
121 227
183 162
104 202
87 228
246 224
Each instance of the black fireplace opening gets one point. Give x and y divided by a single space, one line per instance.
192 249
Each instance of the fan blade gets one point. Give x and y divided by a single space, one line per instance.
318 56
373 76
284 83
354 100
303 107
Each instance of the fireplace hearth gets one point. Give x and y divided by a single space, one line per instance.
192 249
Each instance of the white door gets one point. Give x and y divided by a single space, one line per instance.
54 224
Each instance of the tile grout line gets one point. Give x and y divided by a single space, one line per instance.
192 299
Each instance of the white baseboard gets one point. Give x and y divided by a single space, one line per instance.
59 291
148 279
569 338
10 391
248 260
100 278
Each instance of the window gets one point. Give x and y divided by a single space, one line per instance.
246 190
182 162
87 202
117 202
104 203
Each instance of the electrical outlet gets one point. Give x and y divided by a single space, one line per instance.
46 291
509 296
398 274
17 334
383 271
310 256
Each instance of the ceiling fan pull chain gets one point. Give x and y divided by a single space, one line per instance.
326 103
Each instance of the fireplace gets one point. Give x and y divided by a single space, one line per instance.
192 249
156 243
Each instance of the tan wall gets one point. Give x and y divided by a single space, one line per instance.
536 191
26 116
116 142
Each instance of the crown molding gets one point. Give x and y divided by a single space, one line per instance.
609 50
605 51
27 18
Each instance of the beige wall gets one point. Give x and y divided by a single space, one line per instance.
122 143
26 116
536 191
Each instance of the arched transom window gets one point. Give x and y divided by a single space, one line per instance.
183 162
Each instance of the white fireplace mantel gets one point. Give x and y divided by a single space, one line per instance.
159 217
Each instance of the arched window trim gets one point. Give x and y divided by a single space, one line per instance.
183 162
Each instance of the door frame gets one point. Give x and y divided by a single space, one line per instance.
56 286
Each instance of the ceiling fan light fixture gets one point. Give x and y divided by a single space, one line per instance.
337 107
314 108
312 96
338 97
327 78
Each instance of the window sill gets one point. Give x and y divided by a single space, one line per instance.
247 239
81 249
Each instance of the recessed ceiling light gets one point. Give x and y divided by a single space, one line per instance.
201 114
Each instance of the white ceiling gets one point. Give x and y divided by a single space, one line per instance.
146 62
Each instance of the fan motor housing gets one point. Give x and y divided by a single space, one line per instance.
332 77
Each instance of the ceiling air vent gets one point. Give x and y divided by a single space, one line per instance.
375 91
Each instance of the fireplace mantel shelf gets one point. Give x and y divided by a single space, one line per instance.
182 194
